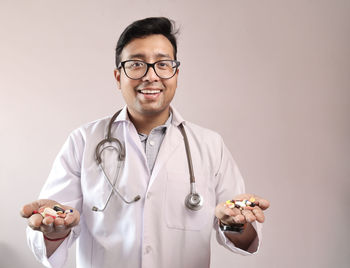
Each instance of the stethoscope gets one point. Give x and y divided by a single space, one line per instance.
193 201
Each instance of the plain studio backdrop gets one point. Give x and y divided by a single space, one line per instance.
272 77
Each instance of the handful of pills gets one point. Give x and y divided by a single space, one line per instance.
54 212
241 204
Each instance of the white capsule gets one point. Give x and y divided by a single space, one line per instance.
49 212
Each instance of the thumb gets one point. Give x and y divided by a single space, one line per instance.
28 209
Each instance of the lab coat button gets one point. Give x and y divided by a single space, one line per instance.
151 142
148 249
148 195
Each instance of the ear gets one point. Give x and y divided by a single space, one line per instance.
117 77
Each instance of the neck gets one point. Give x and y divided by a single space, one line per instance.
144 123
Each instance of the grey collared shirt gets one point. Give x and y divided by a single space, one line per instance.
151 143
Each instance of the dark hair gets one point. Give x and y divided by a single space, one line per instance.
146 27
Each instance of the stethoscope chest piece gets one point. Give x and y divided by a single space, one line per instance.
194 201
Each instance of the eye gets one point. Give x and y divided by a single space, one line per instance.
138 64
164 64
135 64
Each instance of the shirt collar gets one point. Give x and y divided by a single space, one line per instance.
161 128
175 117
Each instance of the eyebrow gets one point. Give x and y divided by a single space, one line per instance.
143 56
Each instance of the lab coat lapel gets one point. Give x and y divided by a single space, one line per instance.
172 140
131 137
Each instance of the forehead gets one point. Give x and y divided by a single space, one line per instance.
150 47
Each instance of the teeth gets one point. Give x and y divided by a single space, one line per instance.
146 91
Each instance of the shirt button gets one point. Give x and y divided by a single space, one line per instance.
151 142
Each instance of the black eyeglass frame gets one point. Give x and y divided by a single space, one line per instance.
122 64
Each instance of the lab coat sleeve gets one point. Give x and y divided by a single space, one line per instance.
63 186
230 184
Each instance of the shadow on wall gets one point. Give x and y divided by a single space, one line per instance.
9 258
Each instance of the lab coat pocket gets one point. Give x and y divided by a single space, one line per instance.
177 215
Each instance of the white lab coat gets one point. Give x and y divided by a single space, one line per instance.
158 230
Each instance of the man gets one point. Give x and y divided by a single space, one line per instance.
97 186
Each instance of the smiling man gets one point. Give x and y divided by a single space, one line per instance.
143 188
147 88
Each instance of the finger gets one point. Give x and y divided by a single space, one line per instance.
35 221
59 222
228 211
259 214
72 219
236 212
221 211
236 217
47 228
47 225
27 210
226 220
239 219
48 221
229 215
248 215
262 203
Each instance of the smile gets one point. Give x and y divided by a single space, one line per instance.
149 91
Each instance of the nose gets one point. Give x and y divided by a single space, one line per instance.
151 75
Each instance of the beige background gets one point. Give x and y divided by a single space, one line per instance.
272 77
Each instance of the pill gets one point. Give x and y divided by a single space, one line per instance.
58 209
49 212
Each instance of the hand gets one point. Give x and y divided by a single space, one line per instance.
52 228
234 215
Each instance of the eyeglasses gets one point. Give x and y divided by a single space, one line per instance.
136 69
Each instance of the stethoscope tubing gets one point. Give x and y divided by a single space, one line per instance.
193 200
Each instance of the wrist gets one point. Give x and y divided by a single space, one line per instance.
56 239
